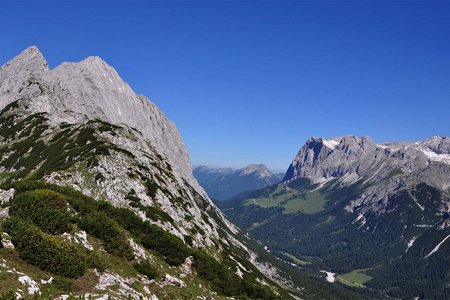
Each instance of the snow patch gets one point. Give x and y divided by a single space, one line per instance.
362 218
331 277
410 243
437 246
445 158
422 208
330 143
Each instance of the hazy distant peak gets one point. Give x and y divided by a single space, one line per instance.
207 169
260 169
222 184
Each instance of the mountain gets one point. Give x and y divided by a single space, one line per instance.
374 216
98 197
222 184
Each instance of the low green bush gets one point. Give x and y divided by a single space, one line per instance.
224 280
8 296
152 188
146 269
49 253
103 227
171 247
45 208
217 274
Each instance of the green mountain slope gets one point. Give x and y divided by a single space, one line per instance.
121 255
389 253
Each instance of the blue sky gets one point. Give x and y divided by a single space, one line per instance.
249 82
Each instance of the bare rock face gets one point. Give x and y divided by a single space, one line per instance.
383 169
320 159
90 89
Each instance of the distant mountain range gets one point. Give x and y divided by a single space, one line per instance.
224 183
371 215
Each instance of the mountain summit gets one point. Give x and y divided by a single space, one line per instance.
90 89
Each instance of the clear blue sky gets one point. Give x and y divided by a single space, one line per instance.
251 81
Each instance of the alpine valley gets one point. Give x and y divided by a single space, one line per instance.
374 217
98 200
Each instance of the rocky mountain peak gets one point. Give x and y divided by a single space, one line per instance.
19 73
438 144
29 60
89 90
320 159
352 158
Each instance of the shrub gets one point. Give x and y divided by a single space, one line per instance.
103 227
224 280
167 244
8 296
125 217
63 284
146 269
45 208
49 253
155 213
219 276
188 239
152 188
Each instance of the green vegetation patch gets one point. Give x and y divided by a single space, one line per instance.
311 203
34 155
276 198
355 278
291 200
296 260
103 227
50 253
146 269
108 223
171 247
45 208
